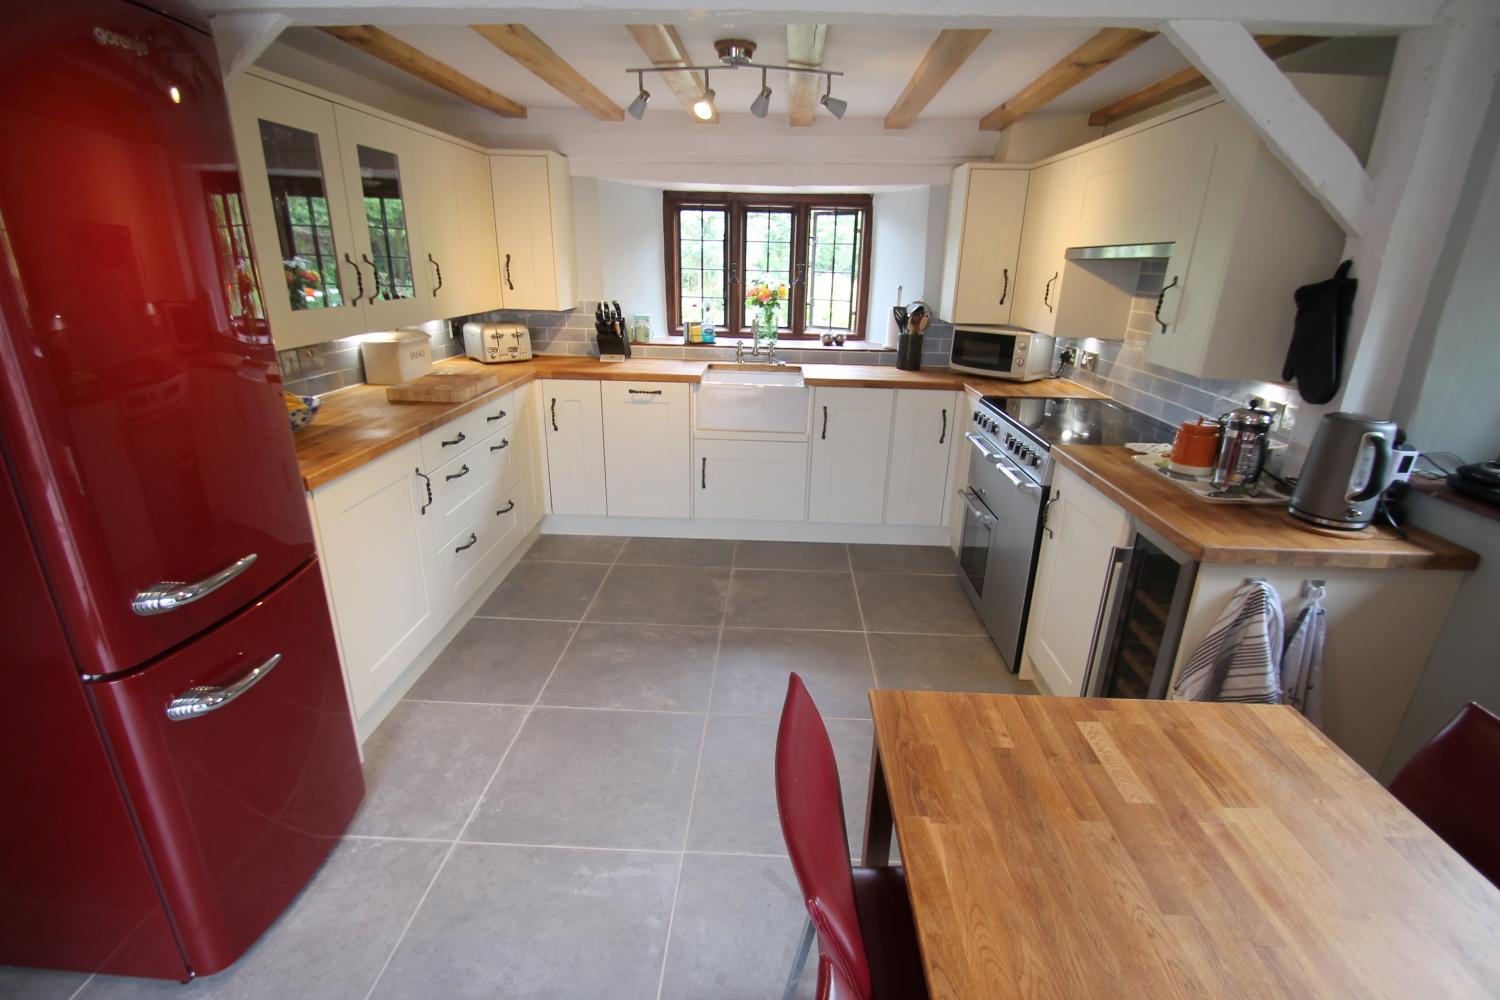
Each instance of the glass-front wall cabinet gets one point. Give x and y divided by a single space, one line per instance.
304 231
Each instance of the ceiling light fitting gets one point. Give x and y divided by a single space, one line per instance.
735 53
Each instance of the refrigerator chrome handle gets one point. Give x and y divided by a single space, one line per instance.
169 595
1117 558
196 701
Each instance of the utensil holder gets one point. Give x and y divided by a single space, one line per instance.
909 352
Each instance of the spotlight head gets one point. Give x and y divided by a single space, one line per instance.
835 106
637 109
703 107
762 102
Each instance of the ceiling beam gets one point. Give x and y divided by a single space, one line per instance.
949 51
1189 80
241 38
1301 138
1099 51
390 49
804 48
663 46
522 44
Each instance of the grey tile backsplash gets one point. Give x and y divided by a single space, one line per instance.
1123 374
337 364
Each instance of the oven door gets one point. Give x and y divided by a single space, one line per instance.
974 544
984 351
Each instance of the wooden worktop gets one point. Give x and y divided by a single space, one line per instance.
1118 849
1250 535
356 425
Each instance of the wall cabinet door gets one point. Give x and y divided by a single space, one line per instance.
533 202
749 480
850 453
647 450
377 551
572 420
288 149
1145 188
921 450
984 282
459 266
1082 531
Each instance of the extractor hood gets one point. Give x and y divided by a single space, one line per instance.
1131 251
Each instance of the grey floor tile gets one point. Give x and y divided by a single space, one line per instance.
576 548
495 660
735 809
828 556
943 663
906 602
902 559
665 595
539 923
556 590
677 552
754 663
736 929
785 599
427 764
40 984
594 779
655 667
329 944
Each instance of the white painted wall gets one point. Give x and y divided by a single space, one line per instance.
630 248
899 254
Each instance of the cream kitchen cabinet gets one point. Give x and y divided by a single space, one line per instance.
573 423
916 490
851 444
533 204
1053 197
1083 536
647 449
749 480
985 209
459 267
376 545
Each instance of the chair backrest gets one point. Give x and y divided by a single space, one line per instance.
812 823
1450 784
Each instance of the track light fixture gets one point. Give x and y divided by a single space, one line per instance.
637 107
735 53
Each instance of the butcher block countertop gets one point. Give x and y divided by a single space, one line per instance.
357 425
1249 535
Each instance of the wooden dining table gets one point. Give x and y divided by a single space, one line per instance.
1080 847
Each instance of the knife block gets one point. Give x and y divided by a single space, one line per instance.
612 343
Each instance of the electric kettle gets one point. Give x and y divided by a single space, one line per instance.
1352 462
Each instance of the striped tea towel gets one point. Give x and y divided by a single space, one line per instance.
1240 658
1302 660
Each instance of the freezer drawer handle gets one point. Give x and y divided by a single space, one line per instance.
196 701
169 595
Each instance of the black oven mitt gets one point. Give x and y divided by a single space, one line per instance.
1316 356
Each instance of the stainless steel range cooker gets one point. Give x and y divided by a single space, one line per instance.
1008 484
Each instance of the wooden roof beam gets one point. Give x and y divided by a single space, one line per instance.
804 48
949 51
1189 80
663 46
522 44
1072 69
390 49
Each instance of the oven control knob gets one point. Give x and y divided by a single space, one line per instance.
1009 439
1036 460
974 417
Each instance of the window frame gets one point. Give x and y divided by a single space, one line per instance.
736 204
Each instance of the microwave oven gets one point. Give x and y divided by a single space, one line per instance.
1009 352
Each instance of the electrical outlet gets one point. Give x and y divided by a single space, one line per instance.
1087 360
1286 419
289 364
307 357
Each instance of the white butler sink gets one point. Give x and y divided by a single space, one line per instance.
757 398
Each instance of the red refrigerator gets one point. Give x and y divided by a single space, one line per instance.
176 751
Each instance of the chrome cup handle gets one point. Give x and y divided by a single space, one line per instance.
169 595
196 701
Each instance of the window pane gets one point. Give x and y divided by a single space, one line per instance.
294 168
700 248
834 248
713 255
691 224
692 254
713 224
385 217
755 227
692 282
768 257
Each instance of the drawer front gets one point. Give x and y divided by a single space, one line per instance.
468 475
461 434
481 545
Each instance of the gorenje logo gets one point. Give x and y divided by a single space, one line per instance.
106 37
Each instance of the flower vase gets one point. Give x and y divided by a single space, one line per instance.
765 329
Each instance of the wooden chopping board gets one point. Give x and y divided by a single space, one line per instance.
456 387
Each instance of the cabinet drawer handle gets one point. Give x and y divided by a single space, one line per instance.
1047 292
825 423
473 540
196 701
458 440
1160 298
703 475
644 392
439 269
507 274
554 413
359 280
1004 289
506 509
464 471
428 480
501 446
498 416
943 434
169 595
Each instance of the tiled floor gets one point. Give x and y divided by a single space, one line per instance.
576 800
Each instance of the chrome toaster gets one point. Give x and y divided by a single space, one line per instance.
493 343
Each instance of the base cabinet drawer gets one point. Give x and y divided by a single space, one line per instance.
465 477
463 433
468 559
750 480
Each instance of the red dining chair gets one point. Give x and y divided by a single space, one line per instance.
1450 785
867 942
